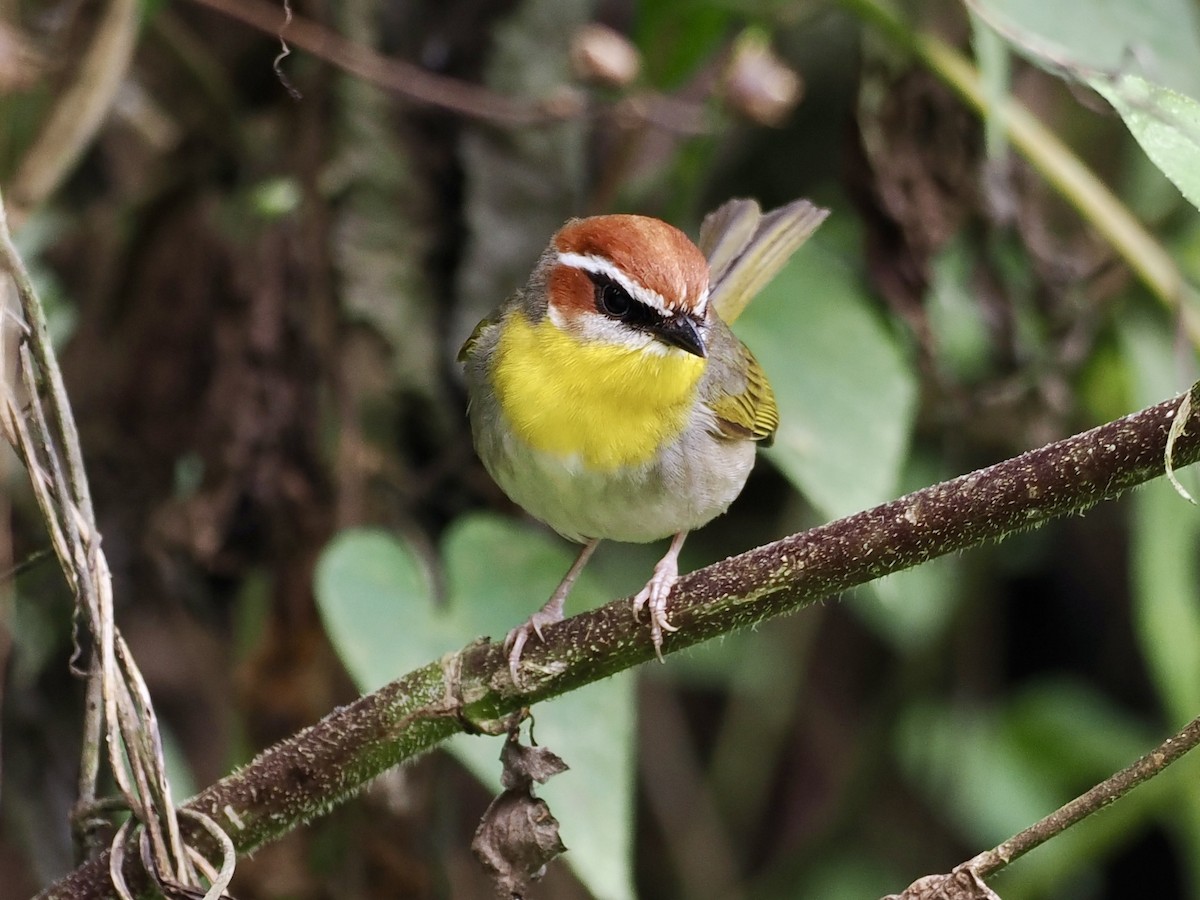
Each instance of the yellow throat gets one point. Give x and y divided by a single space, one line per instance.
612 406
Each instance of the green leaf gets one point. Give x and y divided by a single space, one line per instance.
1158 39
1165 123
846 393
1140 57
377 600
365 584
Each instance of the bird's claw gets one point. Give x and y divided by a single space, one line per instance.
654 598
515 640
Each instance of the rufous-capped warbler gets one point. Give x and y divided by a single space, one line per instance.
609 398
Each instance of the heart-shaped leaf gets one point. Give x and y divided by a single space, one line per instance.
379 607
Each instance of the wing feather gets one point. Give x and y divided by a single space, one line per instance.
745 408
748 248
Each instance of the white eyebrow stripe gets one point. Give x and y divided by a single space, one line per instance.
598 265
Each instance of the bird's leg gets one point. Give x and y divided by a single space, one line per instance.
658 588
552 612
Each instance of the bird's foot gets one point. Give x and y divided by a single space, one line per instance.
654 597
549 614
516 640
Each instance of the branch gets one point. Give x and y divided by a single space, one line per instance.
1106 792
965 882
402 78
419 86
471 690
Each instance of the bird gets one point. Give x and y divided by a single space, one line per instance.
609 398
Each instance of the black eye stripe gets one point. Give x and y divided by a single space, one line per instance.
614 301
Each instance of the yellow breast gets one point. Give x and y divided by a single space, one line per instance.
610 405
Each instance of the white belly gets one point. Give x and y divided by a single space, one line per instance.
697 479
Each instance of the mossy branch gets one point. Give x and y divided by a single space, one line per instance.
470 690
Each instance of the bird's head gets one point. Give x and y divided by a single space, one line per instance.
631 282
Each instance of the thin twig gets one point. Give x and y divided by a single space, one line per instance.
84 821
397 76
47 366
119 716
416 85
966 881
143 727
472 691
1111 789
58 491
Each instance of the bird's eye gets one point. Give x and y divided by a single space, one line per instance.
613 300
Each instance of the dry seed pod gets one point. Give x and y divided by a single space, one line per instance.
600 55
757 84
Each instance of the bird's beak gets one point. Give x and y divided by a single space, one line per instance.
682 331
